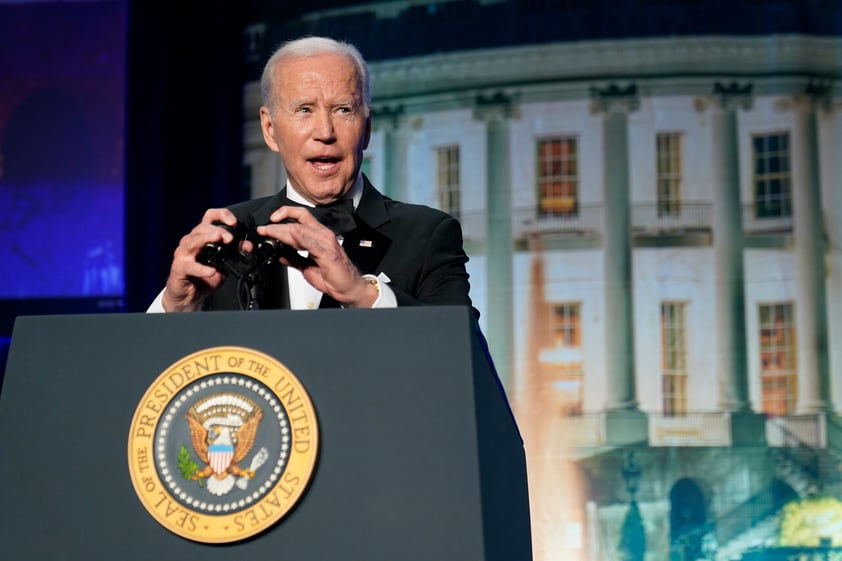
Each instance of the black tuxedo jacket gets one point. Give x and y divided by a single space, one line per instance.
419 248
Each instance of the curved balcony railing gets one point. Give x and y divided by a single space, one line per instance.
647 219
680 216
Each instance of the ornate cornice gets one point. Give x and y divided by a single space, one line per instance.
772 62
774 65
388 116
498 106
732 96
615 99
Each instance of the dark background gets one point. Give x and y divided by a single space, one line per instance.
184 129
183 126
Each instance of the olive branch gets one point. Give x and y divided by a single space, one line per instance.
188 466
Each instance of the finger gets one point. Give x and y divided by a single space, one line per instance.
219 214
296 213
296 260
207 274
203 234
186 266
309 235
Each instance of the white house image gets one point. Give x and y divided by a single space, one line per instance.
654 225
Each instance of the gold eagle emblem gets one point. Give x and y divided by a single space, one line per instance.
223 428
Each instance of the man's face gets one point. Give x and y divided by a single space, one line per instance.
318 125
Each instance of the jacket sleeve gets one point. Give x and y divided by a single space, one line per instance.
440 278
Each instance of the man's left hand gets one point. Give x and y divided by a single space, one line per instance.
325 265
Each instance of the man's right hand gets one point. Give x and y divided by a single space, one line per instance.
190 282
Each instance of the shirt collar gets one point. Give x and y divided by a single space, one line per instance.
355 193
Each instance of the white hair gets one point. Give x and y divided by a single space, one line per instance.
311 46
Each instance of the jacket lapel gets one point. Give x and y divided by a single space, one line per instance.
365 247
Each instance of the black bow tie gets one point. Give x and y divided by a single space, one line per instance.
338 215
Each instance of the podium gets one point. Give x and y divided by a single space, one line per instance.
419 456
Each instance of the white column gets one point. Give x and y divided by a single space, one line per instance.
729 275
616 104
811 304
391 121
831 119
624 422
496 112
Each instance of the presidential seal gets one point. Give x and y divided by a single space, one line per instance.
223 445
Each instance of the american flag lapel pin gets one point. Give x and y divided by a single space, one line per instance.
365 243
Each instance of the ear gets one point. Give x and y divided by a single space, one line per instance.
268 128
367 131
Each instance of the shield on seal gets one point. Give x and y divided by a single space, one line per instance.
219 457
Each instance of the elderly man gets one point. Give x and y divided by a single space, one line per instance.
317 117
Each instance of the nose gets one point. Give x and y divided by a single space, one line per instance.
324 130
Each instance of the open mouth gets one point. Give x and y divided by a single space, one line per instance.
324 163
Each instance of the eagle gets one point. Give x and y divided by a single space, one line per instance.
221 443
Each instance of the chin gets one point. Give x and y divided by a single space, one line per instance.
331 190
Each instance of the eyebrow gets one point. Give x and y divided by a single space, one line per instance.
352 101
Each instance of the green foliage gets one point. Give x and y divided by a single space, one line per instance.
188 467
812 522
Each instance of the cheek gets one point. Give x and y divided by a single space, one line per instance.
354 132
290 139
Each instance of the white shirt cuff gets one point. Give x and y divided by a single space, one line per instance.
385 295
157 305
